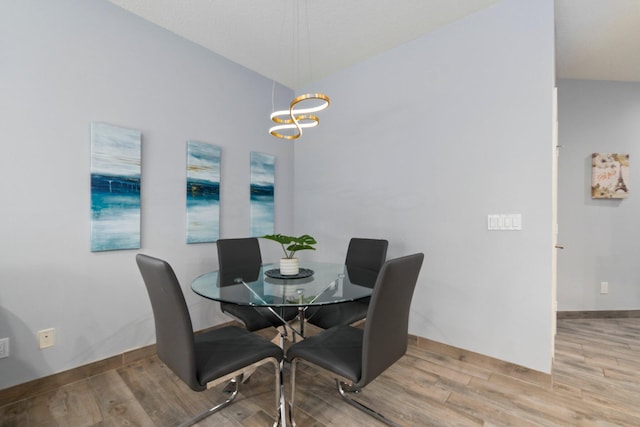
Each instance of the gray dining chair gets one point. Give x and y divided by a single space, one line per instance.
204 359
358 356
239 257
362 254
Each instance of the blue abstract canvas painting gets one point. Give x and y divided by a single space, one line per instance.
203 192
115 187
262 193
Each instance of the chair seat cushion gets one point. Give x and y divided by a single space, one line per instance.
222 351
338 349
345 313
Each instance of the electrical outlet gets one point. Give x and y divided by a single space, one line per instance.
4 348
604 287
47 337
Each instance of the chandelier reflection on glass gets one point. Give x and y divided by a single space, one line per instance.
300 115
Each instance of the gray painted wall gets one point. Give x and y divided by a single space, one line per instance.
64 64
419 146
602 237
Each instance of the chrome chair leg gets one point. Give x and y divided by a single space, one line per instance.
232 385
344 388
282 406
291 420
301 320
234 392
294 364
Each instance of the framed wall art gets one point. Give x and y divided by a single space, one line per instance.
609 176
262 192
115 187
203 192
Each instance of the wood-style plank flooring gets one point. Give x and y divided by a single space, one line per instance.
596 382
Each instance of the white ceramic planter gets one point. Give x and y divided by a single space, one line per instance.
289 266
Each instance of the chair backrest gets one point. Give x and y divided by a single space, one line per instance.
238 258
174 331
387 328
369 254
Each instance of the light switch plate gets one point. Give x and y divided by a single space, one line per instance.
504 222
4 348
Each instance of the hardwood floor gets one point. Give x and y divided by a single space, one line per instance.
596 382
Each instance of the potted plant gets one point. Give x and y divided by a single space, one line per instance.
290 245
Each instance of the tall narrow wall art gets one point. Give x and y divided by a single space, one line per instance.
115 187
262 190
609 176
203 192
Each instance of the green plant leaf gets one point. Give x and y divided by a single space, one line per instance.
280 238
305 239
296 247
296 244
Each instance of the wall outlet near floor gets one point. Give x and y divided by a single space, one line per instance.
47 337
4 348
604 287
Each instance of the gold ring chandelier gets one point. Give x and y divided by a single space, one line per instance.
294 120
301 113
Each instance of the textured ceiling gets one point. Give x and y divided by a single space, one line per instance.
295 42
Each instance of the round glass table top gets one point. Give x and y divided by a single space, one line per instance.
328 284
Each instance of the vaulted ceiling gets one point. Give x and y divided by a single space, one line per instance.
295 42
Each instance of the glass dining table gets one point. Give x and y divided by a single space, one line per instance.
263 286
316 284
